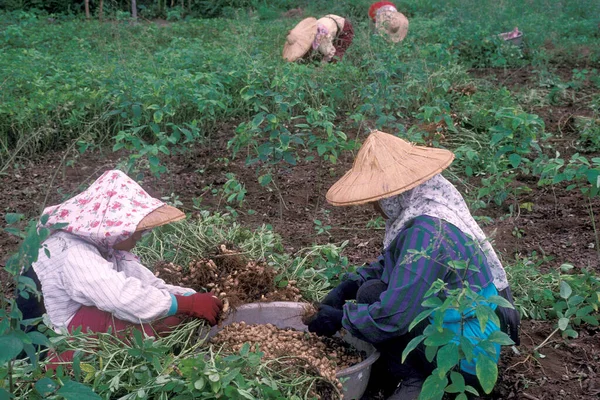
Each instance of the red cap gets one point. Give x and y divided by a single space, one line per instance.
376 6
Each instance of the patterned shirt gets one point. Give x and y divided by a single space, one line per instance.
409 274
77 274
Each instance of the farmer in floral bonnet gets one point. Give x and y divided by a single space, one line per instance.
326 39
424 213
89 278
390 23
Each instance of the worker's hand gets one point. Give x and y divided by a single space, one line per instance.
200 305
338 296
327 321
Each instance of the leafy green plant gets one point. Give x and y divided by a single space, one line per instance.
321 228
234 190
16 373
448 348
376 223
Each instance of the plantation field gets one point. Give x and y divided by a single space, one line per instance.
206 115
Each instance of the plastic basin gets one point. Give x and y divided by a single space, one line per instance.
285 314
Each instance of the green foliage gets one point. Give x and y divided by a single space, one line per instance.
449 348
579 172
234 190
218 376
542 295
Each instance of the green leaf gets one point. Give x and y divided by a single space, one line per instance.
472 390
77 391
515 160
158 116
590 319
199 384
264 180
500 301
462 396
563 323
10 347
38 338
570 333
565 290
487 372
258 119
458 383
45 386
411 346
432 302
447 357
419 318
483 315
501 338
440 338
433 388
430 352
4 395
467 348
12 218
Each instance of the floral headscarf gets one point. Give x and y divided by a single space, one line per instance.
107 212
439 198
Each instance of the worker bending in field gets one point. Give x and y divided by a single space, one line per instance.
428 227
390 23
88 276
325 39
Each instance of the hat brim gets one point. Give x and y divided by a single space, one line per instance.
391 172
161 216
389 18
299 40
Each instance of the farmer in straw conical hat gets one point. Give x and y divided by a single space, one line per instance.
327 39
88 276
388 21
424 213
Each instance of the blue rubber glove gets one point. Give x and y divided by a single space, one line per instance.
342 292
327 321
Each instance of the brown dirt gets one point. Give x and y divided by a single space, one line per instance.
559 370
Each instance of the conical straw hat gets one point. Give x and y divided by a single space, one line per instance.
299 39
386 166
392 24
161 216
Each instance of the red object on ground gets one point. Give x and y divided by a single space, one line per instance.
376 6
91 319
343 40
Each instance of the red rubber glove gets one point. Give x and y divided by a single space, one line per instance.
200 305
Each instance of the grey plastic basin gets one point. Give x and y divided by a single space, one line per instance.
285 314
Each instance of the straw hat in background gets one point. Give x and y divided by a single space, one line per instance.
392 24
333 23
161 216
299 39
386 166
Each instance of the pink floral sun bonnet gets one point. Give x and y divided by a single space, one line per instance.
107 212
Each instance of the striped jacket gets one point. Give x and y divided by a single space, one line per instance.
410 273
77 274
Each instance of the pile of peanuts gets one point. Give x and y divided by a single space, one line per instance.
325 355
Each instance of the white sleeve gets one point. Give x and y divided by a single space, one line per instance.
136 270
91 280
